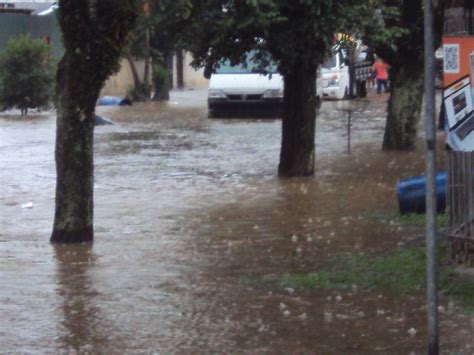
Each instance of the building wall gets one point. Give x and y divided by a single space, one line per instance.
459 59
39 26
119 83
193 78
12 25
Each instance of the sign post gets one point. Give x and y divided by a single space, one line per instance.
430 129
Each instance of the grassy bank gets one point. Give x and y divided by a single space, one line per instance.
411 219
400 272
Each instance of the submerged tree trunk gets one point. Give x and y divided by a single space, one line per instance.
140 94
299 122
146 70
93 45
180 68
133 69
73 220
404 107
161 85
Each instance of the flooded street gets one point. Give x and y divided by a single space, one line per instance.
192 224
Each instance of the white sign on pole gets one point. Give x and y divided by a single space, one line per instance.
458 103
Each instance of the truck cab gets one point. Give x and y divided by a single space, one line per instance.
336 78
335 75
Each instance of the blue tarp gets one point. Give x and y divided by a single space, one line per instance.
113 101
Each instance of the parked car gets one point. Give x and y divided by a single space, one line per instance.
242 90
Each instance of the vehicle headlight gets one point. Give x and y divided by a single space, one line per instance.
216 94
271 94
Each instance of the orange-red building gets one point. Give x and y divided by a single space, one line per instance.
458 58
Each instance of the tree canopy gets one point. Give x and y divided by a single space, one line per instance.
157 35
297 36
26 74
291 31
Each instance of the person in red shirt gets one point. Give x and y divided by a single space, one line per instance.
380 69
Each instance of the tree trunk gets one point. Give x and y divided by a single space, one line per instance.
146 71
404 107
93 46
351 59
133 69
73 220
180 68
140 94
299 122
160 81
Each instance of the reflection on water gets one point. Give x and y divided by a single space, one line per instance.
191 221
82 326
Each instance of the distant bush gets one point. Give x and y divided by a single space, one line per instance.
26 74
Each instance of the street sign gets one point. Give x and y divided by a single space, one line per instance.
458 103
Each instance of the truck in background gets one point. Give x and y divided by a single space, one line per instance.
336 74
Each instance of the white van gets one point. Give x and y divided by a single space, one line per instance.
238 90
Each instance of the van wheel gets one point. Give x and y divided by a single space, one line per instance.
214 114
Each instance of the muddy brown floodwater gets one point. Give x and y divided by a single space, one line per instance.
190 219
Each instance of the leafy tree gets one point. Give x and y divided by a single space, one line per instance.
94 34
401 46
155 39
170 18
26 74
297 35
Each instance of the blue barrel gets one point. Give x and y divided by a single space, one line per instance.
411 194
113 101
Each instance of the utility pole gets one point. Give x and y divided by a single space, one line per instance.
431 233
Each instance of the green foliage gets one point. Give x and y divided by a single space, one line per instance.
160 27
26 73
402 272
462 292
397 35
169 19
420 219
414 219
158 33
94 35
293 32
135 93
159 75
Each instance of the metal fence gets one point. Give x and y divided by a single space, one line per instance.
458 21
460 203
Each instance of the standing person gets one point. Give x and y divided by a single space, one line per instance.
380 69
